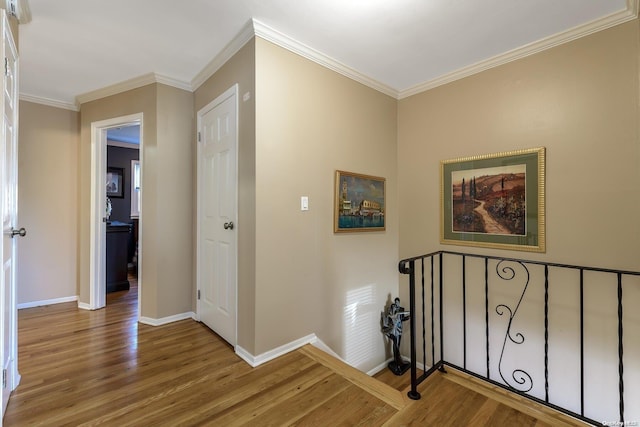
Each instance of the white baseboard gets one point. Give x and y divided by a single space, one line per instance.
258 360
312 339
18 378
165 320
47 302
84 306
318 343
246 356
379 368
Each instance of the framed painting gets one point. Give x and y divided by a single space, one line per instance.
115 182
494 201
359 203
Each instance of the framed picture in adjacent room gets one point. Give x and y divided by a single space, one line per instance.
359 203
495 200
115 182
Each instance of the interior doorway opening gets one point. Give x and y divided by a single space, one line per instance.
109 187
124 188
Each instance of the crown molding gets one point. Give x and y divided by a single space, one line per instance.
267 33
23 12
20 9
131 84
630 13
255 28
245 34
49 102
170 81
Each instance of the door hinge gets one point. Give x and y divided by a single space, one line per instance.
6 66
198 293
199 137
4 378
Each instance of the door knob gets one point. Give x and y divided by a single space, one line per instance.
21 232
228 225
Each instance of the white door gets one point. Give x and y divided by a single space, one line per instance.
217 207
9 202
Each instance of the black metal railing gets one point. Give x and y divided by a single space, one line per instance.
457 287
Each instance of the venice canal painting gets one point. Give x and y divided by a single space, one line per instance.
489 200
360 203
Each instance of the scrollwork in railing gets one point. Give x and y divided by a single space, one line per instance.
507 270
523 381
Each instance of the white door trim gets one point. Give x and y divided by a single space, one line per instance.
232 91
97 285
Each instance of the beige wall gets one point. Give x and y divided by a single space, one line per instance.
580 101
311 121
175 201
142 100
316 281
167 164
300 123
240 69
48 200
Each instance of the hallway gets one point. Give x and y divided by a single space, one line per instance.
102 367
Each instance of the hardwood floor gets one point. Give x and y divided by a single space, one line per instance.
83 368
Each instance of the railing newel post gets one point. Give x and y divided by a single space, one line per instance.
546 333
620 351
582 342
433 334
441 274
486 313
464 312
413 393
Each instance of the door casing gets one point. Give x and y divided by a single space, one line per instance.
97 261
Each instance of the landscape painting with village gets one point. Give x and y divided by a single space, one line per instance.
489 200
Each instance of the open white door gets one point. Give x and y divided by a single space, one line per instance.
9 203
217 207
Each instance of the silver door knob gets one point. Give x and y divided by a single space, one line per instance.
228 225
21 232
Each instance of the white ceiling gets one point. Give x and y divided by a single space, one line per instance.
125 134
73 47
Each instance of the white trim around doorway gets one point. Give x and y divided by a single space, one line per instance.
97 285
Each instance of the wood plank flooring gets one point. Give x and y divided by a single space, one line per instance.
82 368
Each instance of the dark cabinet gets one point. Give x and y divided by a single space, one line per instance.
117 249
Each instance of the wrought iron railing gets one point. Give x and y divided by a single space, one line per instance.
565 310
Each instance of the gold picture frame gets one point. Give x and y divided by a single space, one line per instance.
494 200
359 203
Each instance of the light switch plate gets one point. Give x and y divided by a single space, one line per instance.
304 203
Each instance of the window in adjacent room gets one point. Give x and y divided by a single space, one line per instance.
135 189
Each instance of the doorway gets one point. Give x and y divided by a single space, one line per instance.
123 201
118 184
